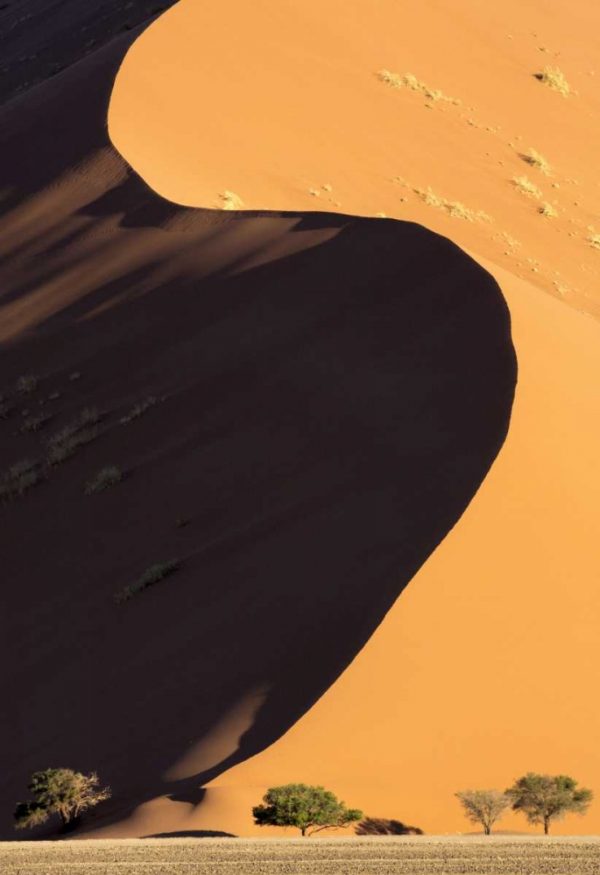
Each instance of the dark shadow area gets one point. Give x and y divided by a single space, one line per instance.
381 826
325 416
192 834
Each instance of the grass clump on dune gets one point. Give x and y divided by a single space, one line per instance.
35 423
548 210
554 79
139 409
526 186
19 478
594 240
104 479
27 384
408 80
69 439
536 160
153 574
454 208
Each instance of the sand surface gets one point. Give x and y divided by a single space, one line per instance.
425 856
463 683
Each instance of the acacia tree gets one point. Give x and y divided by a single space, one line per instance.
59 791
484 806
544 798
310 809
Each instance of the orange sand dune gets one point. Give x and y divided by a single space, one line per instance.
280 104
486 666
239 325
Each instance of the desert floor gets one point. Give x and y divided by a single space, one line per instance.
498 855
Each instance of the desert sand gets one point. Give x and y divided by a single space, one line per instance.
229 316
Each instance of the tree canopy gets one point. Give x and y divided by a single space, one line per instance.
484 806
59 791
544 798
308 808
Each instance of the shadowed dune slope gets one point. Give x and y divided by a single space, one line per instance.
302 406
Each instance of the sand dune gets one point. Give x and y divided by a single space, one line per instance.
329 394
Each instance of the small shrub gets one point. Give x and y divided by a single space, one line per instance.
35 423
54 396
408 80
151 575
527 187
453 208
554 79
74 376
27 384
594 240
104 479
536 160
19 478
229 200
139 409
67 441
548 210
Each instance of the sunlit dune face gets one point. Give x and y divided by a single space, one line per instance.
373 109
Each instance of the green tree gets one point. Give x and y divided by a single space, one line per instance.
310 809
544 798
484 806
59 791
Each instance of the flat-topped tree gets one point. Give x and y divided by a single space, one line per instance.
544 798
310 809
59 791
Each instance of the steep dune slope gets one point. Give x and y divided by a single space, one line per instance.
302 406
487 664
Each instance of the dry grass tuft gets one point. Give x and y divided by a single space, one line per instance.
151 575
19 478
139 409
65 443
408 80
229 200
454 208
554 79
27 384
526 186
548 210
594 240
104 479
538 161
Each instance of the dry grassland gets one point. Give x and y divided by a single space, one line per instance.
500 855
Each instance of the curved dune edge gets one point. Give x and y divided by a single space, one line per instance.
463 684
292 87
249 334
480 706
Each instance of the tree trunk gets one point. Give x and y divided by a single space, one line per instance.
487 829
546 825
303 831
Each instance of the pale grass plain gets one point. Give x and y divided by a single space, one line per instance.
423 855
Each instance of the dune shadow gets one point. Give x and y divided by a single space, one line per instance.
326 415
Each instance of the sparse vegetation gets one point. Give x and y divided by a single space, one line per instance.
151 575
548 210
309 809
74 376
554 79
408 80
69 439
59 791
527 187
19 478
27 384
139 409
454 208
382 826
484 806
104 479
229 200
35 423
594 240
538 161
545 798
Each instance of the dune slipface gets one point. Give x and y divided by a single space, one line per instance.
323 396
